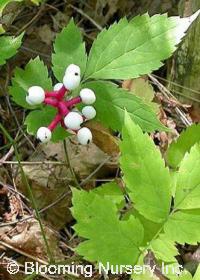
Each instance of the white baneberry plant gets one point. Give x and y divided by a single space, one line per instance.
164 206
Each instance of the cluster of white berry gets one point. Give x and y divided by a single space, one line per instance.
67 116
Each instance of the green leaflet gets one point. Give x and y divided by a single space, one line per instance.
145 174
38 118
111 191
164 249
108 239
183 144
150 228
184 227
188 181
8 47
112 102
43 117
130 49
69 49
35 73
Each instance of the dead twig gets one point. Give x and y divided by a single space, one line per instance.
169 95
86 16
23 253
25 27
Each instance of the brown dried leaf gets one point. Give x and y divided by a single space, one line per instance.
27 237
142 89
103 138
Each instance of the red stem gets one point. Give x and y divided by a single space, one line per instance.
54 98
55 122
63 108
73 101
57 94
51 101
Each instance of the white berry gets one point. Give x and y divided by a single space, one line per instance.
89 112
84 136
72 77
36 95
87 96
73 120
29 101
44 134
58 86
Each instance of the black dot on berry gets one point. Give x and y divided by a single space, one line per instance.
88 141
76 74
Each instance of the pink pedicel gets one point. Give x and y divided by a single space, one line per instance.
56 100
57 94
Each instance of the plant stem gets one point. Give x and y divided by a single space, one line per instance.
25 181
73 101
69 165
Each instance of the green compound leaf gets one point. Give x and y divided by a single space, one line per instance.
108 239
183 144
184 227
69 49
145 174
8 47
188 181
130 49
35 73
112 102
43 117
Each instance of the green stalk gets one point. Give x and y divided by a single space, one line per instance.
25 181
68 163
